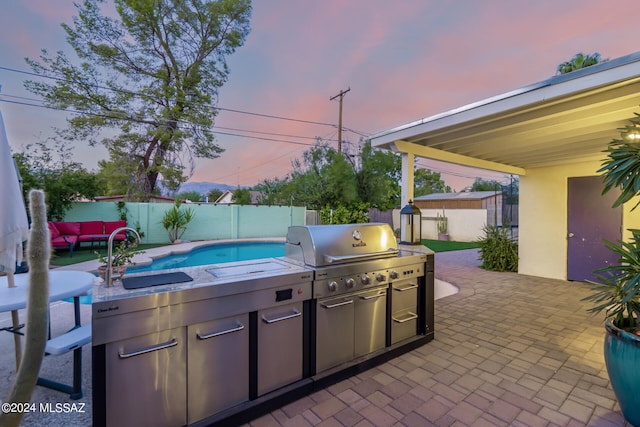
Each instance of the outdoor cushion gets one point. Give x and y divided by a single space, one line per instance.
91 227
68 228
111 226
60 241
53 230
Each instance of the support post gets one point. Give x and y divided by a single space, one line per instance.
408 164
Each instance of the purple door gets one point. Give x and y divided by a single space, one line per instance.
590 220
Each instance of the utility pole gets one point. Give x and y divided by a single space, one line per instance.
341 95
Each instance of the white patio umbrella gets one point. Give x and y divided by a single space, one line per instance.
14 227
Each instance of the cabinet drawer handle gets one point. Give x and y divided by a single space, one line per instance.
160 346
368 297
407 318
406 288
217 334
338 304
295 313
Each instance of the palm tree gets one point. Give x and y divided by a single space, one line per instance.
579 60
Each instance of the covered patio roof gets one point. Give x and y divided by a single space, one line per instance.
564 119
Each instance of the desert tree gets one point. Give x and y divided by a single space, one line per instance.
145 83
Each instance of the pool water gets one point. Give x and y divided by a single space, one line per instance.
214 254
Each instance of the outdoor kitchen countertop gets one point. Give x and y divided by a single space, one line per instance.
224 276
228 276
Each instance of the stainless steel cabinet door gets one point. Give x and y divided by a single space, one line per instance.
146 380
404 310
370 321
279 347
218 365
334 332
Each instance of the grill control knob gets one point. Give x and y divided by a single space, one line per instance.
350 283
333 286
381 277
393 275
365 279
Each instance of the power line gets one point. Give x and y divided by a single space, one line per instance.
268 133
262 138
13 70
217 127
132 119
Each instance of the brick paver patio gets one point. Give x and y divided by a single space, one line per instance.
509 350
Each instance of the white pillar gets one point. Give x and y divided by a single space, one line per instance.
408 160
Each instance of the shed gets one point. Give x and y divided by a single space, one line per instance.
489 201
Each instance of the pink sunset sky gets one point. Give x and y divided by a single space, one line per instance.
402 60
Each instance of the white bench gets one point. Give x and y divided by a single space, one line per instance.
72 340
68 341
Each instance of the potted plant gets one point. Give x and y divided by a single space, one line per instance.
442 225
121 256
618 295
618 292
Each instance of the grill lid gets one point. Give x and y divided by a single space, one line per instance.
321 245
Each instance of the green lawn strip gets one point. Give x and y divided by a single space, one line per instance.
447 245
61 258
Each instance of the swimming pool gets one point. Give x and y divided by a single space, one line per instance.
214 254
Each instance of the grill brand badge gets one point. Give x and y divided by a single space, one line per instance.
357 235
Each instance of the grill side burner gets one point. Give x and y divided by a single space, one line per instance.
361 304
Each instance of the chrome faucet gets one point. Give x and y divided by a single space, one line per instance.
108 277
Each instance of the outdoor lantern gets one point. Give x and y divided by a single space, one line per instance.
410 225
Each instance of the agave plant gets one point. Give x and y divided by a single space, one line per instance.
618 294
175 221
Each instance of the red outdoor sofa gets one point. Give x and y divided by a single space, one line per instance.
71 234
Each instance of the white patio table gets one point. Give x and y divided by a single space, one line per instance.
62 285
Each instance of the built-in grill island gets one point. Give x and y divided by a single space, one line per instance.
244 338
369 297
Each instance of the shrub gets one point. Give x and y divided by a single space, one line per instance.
356 213
498 251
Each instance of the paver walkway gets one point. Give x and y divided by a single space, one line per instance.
509 350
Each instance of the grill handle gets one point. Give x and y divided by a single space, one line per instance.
336 259
338 304
378 295
409 316
406 288
295 313
217 334
173 342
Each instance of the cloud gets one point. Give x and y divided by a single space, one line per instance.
403 61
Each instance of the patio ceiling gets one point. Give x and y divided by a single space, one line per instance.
564 119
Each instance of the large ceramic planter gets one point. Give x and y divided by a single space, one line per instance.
622 357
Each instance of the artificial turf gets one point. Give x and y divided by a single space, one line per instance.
448 245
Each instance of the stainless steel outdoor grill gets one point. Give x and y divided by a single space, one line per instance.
368 294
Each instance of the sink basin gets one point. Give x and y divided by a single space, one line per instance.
138 282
